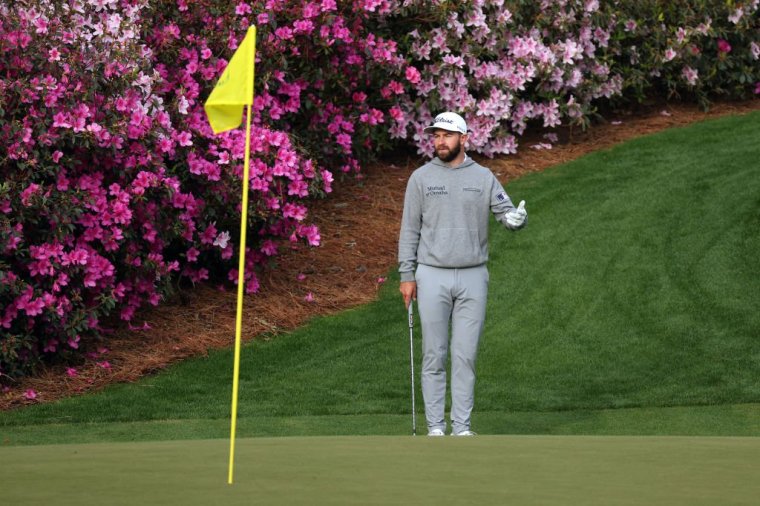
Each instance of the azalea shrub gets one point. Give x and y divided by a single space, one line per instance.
312 115
503 65
507 65
86 205
313 66
688 49
113 187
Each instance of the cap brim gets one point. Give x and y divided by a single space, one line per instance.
444 126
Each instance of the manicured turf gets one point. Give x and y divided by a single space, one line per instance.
486 470
630 305
723 420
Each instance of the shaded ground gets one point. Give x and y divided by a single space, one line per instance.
359 228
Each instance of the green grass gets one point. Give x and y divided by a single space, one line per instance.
630 305
379 470
721 420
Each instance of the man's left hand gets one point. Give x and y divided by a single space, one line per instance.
516 217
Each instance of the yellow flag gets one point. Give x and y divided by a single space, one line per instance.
224 106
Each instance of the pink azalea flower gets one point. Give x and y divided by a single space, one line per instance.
269 248
327 180
309 297
104 365
33 307
185 139
754 48
736 16
242 9
30 394
192 255
222 239
295 211
312 234
670 53
41 23
71 372
26 195
690 75
724 46
412 75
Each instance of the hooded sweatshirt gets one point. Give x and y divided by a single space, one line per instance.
445 220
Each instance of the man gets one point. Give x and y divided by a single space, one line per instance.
443 249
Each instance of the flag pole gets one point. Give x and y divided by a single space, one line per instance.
241 286
241 265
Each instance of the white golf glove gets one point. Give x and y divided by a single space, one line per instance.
516 217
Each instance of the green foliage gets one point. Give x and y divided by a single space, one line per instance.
718 40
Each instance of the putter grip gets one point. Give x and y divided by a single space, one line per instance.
411 316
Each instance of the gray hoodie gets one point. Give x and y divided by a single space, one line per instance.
445 220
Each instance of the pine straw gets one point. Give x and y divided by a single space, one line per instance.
359 228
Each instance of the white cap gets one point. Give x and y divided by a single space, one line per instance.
450 121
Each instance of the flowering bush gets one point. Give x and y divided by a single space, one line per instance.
507 64
503 65
86 206
701 50
112 180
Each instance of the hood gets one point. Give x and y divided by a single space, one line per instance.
466 163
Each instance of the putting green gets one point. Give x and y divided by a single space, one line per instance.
545 470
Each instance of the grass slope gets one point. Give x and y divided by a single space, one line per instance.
634 287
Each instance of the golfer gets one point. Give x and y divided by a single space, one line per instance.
442 252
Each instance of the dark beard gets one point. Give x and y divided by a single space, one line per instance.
452 154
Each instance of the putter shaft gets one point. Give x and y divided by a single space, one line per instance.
411 363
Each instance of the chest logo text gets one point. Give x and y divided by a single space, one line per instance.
434 191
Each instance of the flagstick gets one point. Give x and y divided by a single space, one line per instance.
241 286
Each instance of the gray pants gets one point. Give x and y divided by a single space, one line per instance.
456 296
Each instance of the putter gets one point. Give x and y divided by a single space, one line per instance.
411 362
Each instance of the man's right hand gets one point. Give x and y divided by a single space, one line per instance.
408 290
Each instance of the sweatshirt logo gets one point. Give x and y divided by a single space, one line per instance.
433 191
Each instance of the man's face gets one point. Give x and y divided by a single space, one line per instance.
447 144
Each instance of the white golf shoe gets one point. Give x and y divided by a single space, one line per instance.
435 432
464 433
